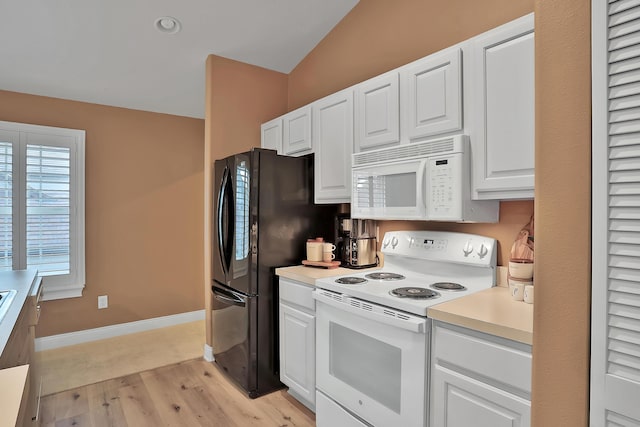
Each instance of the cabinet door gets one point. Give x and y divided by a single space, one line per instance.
333 136
503 129
298 353
460 401
272 135
296 134
378 112
431 101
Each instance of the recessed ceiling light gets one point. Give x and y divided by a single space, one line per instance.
168 25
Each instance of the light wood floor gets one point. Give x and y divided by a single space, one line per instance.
192 393
77 365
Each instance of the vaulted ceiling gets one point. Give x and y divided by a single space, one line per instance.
112 52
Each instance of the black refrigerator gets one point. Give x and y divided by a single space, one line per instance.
263 215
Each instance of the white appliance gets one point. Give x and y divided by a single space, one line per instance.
372 347
423 181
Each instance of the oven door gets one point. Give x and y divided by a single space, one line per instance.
372 360
392 191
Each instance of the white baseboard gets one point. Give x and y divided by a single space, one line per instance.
87 335
208 353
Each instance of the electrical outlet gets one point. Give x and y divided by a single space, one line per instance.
103 301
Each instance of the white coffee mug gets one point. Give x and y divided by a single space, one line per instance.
328 256
327 252
328 247
517 291
528 294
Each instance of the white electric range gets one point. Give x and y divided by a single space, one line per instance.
372 329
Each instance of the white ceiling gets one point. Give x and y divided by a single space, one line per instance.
109 52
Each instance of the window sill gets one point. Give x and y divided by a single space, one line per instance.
53 292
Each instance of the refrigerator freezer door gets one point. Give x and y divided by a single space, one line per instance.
233 343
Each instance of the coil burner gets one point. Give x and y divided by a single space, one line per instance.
384 276
415 293
351 280
448 286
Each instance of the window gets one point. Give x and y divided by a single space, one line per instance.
42 205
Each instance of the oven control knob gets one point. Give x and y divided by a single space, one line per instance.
385 243
468 249
394 242
483 251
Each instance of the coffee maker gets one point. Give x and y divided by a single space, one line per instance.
356 244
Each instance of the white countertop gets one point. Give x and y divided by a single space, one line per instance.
491 311
308 275
22 281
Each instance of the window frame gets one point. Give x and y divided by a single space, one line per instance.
54 286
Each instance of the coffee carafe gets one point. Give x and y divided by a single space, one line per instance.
356 242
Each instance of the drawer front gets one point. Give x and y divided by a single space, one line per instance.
297 293
491 359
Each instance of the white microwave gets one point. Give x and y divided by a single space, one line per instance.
428 181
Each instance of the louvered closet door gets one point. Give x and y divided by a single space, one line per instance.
615 353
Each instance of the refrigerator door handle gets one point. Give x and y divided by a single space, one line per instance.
228 297
225 231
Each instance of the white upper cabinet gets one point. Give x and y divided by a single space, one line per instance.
424 100
378 112
272 135
503 111
431 95
333 137
296 135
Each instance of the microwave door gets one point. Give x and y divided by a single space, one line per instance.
392 191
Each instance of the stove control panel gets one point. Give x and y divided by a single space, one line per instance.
428 244
442 246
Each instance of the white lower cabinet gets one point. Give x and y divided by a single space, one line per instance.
298 341
478 379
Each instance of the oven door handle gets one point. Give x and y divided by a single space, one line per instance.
364 309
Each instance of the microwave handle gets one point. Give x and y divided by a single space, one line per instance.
422 186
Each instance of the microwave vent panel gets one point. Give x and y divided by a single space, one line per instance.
449 145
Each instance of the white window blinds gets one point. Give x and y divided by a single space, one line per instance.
42 205
615 382
6 206
48 205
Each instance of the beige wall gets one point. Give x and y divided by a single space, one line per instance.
144 211
563 213
239 97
